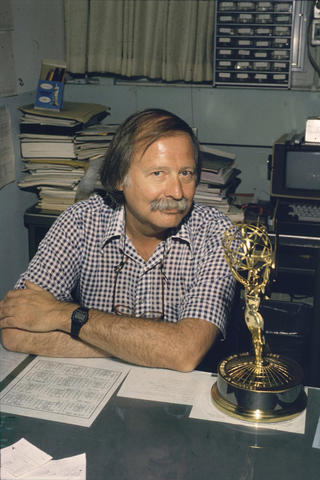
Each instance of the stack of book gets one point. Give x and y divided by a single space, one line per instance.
94 140
91 144
49 151
219 178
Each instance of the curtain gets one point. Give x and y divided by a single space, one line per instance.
170 40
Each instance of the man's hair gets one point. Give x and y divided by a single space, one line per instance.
140 131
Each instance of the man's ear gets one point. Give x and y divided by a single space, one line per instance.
119 186
123 183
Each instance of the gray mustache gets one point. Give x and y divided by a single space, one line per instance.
169 204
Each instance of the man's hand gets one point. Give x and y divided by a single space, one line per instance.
33 309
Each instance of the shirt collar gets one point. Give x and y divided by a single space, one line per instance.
181 234
115 228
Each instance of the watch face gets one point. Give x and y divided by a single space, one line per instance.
81 315
78 318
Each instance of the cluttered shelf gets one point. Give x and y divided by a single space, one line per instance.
62 152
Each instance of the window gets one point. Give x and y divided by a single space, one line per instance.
170 40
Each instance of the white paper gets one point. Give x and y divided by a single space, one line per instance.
72 468
9 361
68 390
162 385
204 409
21 458
316 440
7 173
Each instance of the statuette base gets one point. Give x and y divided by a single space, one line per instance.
271 391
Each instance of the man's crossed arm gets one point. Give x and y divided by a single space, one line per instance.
34 321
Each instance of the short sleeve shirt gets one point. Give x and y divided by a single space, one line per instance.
86 250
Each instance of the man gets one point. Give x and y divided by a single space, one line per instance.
141 277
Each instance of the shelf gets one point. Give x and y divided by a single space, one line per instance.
258 32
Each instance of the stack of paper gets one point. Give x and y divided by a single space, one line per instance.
53 163
39 145
91 144
219 178
35 123
72 114
25 460
94 140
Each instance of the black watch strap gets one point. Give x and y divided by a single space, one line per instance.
78 318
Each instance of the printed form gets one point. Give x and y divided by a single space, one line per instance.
63 390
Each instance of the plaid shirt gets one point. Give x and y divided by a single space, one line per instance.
87 242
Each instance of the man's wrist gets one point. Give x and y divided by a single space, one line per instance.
64 316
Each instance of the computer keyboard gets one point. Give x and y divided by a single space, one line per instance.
297 217
304 211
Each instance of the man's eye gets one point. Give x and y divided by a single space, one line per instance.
187 173
157 173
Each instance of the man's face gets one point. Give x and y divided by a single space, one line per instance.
160 185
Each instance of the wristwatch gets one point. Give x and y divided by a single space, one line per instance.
78 318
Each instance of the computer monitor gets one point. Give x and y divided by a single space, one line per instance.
295 169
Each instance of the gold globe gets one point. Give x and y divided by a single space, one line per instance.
249 252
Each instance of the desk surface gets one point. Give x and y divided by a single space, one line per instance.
136 439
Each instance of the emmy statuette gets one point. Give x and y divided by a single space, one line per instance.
257 387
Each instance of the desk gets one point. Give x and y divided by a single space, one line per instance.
134 440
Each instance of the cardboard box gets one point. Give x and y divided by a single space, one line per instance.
50 86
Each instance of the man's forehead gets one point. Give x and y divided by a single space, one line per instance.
142 146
